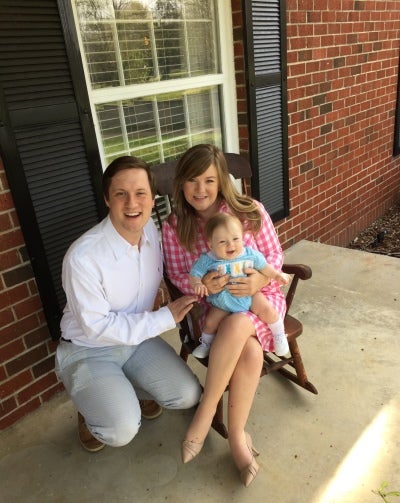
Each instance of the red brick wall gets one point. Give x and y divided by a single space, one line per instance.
27 375
342 58
342 80
238 50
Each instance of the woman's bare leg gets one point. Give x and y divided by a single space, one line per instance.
213 320
226 350
242 388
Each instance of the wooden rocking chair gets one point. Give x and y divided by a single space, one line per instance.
290 367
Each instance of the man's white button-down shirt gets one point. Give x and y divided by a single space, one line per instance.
111 287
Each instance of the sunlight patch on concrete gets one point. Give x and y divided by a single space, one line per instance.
366 457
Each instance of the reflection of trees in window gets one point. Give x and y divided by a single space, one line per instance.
136 52
167 9
98 42
131 9
172 118
168 38
203 106
130 42
170 53
139 119
117 53
94 10
201 47
198 10
195 25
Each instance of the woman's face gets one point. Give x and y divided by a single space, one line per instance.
201 192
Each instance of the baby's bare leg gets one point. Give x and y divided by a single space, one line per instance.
211 324
264 309
213 319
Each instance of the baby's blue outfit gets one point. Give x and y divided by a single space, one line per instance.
209 262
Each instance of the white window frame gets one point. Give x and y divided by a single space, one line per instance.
225 80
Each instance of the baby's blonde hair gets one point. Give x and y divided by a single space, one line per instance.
220 220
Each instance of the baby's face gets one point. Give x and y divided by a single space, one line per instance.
227 241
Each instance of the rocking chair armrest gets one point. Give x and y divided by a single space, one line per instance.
173 290
190 324
300 270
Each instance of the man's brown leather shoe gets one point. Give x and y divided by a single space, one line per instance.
150 409
88 441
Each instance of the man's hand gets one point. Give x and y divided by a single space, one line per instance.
180 307
250 285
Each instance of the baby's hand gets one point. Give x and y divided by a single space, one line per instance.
200 290
282 278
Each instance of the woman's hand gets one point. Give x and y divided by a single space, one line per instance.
214 282
250 285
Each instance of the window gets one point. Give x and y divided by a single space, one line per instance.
158 81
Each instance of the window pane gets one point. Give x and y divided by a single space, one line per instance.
94 10
198 10
131 9
160 128
111 128
201 45
139 116
171 52
134 42
99 46
136 53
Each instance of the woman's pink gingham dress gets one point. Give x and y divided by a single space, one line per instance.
178 262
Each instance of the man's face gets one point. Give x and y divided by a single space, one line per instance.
130 203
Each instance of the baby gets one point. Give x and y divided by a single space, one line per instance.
227 255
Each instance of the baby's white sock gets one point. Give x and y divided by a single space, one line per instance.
281 346
277 328
207 338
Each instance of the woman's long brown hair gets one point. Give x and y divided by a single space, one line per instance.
194 162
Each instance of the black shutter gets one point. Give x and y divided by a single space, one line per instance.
266 85
47 142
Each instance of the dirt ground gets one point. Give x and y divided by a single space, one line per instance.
382 236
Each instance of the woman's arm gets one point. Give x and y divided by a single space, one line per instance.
249 285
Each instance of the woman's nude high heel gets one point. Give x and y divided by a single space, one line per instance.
248 474
190 450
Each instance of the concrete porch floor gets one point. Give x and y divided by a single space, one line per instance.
337 446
